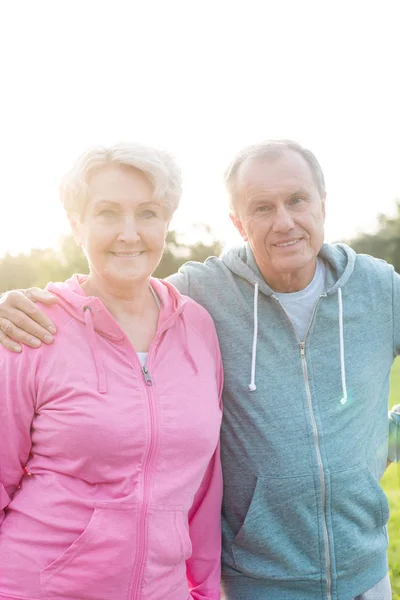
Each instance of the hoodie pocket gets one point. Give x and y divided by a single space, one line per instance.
280 537
98 565
168 549
360 511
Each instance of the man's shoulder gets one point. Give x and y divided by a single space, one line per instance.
365 263
373 277
194 275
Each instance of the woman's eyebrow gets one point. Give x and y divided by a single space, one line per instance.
100 201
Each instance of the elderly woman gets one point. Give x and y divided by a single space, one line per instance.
110 479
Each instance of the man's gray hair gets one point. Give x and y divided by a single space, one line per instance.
270 149
157 166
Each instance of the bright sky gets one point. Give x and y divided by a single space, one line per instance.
201 79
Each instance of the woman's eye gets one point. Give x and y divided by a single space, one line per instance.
108 213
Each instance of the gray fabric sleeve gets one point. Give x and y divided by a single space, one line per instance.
394 434
396 313
181 280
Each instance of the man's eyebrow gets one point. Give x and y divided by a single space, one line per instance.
264 196
299 192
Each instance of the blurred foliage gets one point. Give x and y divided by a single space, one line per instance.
385 243
41 266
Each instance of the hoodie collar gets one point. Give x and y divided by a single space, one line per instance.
339 258
98 320
74 300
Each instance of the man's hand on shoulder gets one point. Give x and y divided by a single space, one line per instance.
22 322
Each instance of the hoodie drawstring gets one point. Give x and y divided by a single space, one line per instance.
252 384
101 373
343 400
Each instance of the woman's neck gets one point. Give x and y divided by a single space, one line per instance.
133 300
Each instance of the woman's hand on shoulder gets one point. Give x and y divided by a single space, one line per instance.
22 322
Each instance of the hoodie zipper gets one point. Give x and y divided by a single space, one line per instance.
302 346
147 465
141 543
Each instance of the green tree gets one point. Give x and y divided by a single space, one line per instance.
178 251
385 243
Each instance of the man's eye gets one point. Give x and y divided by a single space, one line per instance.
148 214
297 200
261 208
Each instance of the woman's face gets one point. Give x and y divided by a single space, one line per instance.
123 228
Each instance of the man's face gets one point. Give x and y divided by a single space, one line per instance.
281 213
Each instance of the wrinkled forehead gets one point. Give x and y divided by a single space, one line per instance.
277 174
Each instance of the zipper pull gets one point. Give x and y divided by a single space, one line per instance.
147 376
302 345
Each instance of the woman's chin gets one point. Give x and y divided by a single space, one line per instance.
127 278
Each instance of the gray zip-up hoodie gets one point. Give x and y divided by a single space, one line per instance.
305 429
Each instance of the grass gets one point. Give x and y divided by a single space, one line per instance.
391 485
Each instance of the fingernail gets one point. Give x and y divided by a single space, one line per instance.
48 339
35 342
16 348
52 329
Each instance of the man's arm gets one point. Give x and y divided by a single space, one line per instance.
181 281
394 434
394 413
21 321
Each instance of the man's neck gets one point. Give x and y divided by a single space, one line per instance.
287 283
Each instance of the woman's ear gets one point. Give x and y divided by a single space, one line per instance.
76 228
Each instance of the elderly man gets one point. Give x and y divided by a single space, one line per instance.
308 333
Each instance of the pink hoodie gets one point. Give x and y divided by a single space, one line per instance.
110 475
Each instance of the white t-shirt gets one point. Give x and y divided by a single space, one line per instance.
142 356
300 305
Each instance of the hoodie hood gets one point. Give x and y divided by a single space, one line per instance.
339 258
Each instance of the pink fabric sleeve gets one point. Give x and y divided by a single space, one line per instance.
204 566
16 415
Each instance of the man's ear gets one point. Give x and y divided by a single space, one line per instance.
239 226
323 200
76 228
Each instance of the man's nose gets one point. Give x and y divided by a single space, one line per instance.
283 220
129 231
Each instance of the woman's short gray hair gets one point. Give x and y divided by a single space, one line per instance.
158 166
270 149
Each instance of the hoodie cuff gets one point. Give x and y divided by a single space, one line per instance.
394 434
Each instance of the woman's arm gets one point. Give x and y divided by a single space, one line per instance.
16 415
204 566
